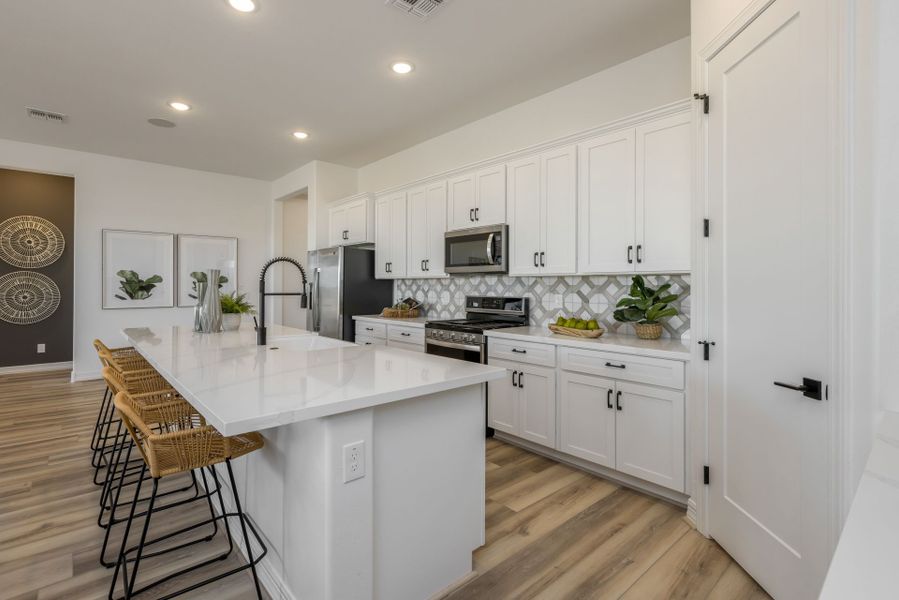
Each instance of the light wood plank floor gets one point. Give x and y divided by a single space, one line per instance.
552 532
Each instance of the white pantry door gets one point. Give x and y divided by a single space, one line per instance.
769 298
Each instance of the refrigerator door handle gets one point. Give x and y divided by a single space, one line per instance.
316 298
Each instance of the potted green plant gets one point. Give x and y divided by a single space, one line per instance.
645 308
234 305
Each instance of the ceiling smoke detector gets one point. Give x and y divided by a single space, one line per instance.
420 8
45 115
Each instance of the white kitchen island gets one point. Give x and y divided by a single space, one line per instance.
407 527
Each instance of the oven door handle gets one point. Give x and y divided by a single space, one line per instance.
490 260
454 345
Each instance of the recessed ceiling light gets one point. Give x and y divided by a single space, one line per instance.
402 68
179 106
246 6
300 135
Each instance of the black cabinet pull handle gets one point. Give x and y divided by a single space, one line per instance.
477 217
471 215
404 334
517 351
369 329
609 399
639 256
608 364
536 254
427 264
521 380
514 383
630 250
618 400
542 255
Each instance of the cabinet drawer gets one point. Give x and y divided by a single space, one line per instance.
406 346
375 330
624 367
366 340
523 352
406 335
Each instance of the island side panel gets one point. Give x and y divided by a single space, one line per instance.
429 492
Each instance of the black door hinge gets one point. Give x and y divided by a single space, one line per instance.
705 227
705 101
705 474
705 348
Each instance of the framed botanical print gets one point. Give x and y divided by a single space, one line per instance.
199 253
138 269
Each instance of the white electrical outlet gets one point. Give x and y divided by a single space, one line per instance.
41 348
353 461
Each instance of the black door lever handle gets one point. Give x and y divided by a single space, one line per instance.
810 388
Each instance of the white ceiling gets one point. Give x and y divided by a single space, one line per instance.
317 65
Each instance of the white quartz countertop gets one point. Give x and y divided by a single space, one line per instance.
239 386
864 565
610 342
416 322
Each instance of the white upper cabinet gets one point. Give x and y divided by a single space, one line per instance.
634 199
491 191
477 199
663 195
543 213
427 226
525 224
390 238
351 221
606 204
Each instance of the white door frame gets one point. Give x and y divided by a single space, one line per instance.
840 66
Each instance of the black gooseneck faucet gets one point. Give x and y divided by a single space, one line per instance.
260 327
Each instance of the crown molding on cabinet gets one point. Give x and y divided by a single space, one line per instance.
624 122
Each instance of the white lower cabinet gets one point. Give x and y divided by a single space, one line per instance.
587 413
649 432
621 411
524 403
632 428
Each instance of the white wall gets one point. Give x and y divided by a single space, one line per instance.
653 79
127 194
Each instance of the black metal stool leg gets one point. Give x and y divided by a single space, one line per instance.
243 527
121 560
143 538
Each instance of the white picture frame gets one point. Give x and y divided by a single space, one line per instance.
201 253
150 255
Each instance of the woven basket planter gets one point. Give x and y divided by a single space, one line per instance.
648 331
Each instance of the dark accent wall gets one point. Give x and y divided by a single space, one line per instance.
53 198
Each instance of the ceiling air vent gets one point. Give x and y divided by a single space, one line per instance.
45 115
420 8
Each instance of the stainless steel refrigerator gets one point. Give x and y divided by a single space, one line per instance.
343 284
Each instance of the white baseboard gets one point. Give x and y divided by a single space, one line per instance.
57 366
621 478
86 375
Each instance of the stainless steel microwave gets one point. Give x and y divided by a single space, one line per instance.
478 250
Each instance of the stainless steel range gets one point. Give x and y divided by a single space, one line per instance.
464 338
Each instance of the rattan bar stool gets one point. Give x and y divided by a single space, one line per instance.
147 390
182 448
122 359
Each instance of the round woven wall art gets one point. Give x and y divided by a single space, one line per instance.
27 297
30 242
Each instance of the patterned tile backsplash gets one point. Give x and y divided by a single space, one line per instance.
585 297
